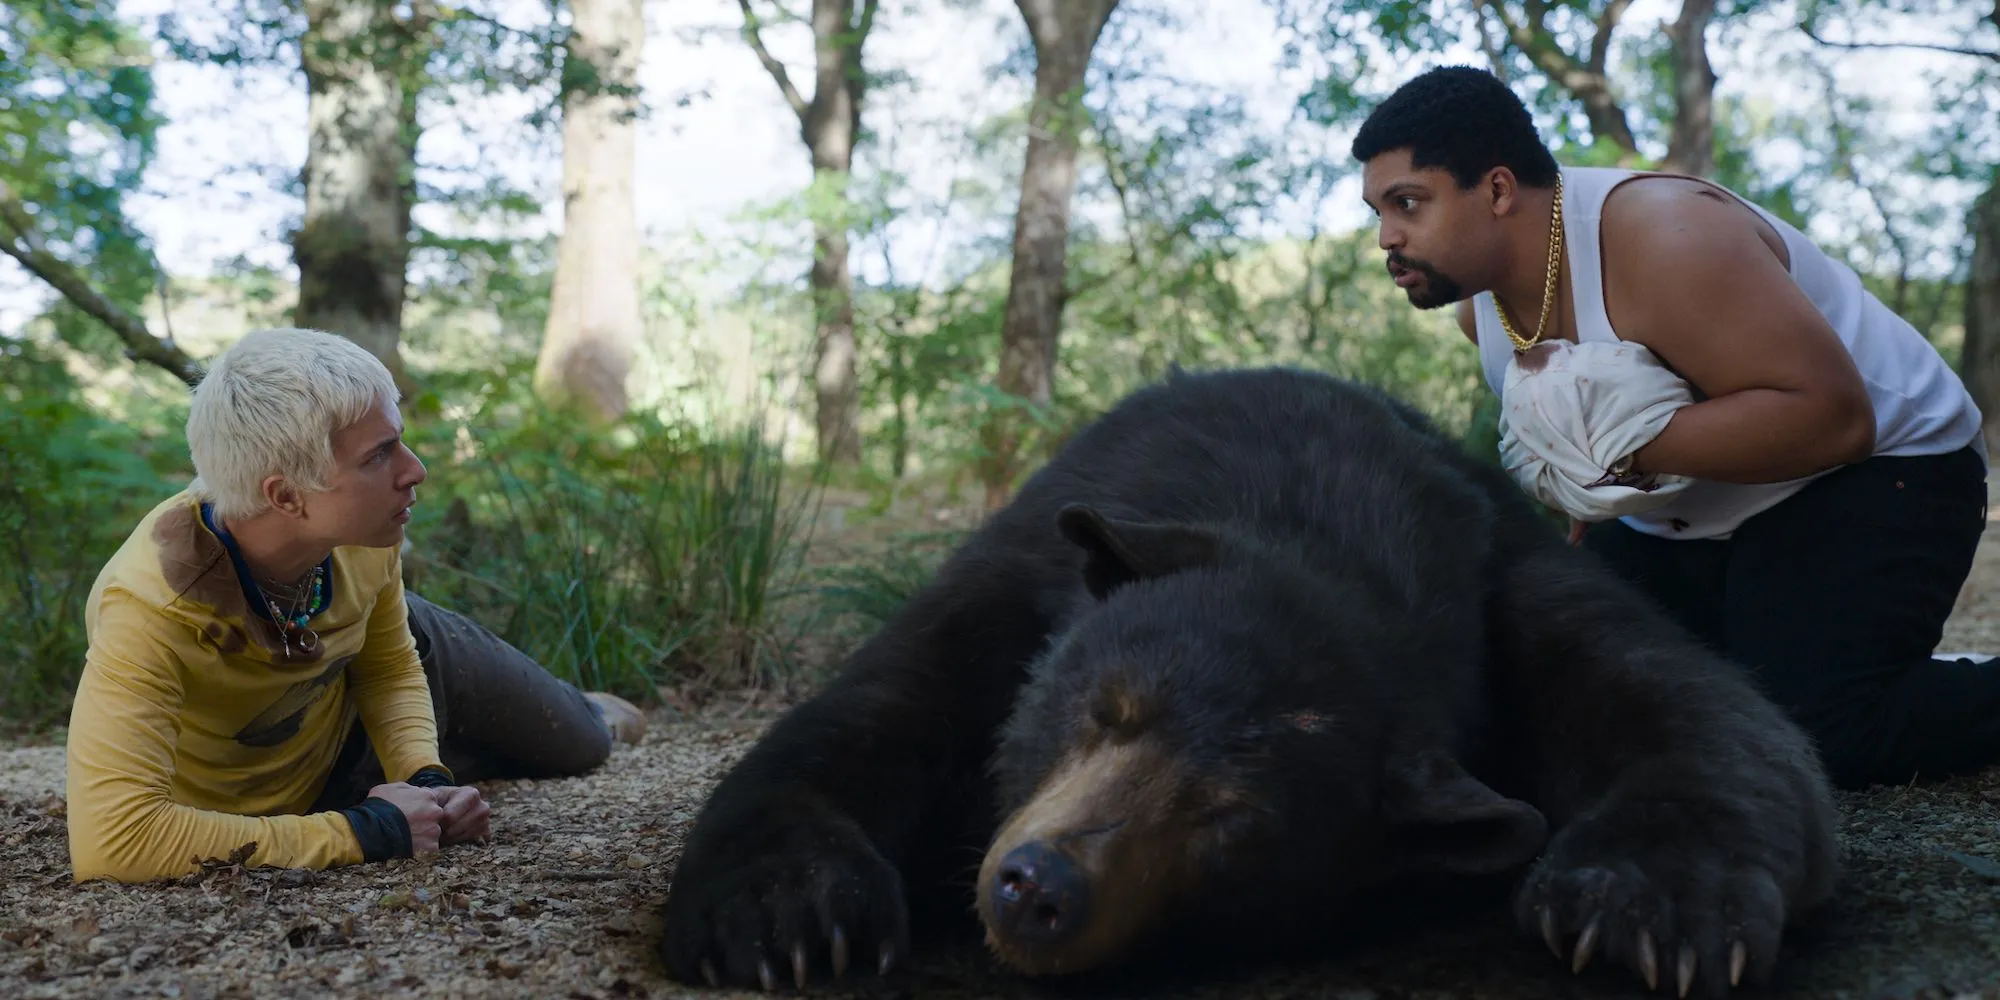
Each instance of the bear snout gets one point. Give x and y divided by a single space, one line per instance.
1082 870
1039 895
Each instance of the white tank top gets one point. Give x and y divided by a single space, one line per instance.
1921 407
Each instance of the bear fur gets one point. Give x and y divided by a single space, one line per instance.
1254 644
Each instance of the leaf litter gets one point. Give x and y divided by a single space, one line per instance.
563 901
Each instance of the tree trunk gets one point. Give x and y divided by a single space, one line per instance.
594 326
1979 362
1691 150
353 246
829 124
1064 33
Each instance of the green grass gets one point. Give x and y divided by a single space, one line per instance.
653 557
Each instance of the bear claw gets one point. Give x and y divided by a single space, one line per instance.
799 964
1739 956
1586 945
839 952
1549 931
765 977
1649 959
708 973
1686 970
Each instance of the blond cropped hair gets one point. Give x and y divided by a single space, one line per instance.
270 405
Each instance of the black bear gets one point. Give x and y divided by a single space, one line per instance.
1252 643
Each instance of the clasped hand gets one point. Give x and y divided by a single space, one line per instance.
438 816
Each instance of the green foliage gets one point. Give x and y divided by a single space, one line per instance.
862 592
1172 259
652 556
669 554
77 129
455 55
659 555
72 485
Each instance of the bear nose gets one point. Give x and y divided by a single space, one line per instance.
1039 895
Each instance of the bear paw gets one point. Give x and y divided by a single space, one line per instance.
1688 918
805 910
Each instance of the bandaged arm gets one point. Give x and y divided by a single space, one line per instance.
1572 413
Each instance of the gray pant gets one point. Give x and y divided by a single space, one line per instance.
500 715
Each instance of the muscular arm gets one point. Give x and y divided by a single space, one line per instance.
1694 282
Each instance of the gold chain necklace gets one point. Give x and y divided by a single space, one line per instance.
1548 287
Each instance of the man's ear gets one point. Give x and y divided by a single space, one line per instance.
1503 190
1119 552
1442 819
282 495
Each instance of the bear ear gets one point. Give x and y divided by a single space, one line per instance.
1119 552
1442 819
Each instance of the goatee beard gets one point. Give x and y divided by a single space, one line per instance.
1437 290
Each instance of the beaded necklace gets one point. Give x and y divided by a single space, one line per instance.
292 629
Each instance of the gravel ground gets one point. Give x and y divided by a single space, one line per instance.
563 901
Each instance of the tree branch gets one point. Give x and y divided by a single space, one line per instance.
777 69
1588 85
867 22
1488 45
1531 40
1925 46
1600 45
423 15
18 240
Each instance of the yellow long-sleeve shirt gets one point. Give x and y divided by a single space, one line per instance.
193 734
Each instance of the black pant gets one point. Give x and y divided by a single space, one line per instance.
499 713
1835 600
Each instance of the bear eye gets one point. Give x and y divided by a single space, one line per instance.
1102 716
1306 720
1119 711
1225 823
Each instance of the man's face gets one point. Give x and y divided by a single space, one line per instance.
1429 226
374 483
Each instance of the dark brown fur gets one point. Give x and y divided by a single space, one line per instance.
1254 644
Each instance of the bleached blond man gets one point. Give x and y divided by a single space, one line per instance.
256 673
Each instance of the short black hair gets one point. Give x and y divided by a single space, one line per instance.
1463 119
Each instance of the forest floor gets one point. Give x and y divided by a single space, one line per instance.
564 900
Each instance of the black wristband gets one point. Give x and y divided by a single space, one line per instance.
432 777
381 828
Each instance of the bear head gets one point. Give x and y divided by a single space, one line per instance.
1222 741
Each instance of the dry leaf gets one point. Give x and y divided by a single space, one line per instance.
1980 866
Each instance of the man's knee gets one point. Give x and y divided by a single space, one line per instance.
1872 741
576 747
623 721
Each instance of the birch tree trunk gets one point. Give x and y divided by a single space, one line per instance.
595 325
